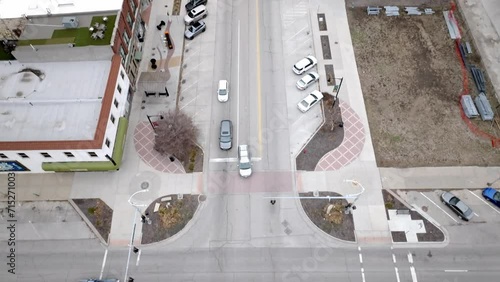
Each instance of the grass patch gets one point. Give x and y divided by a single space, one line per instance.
79 36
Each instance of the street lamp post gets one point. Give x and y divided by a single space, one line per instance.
144 186
355 196
336 89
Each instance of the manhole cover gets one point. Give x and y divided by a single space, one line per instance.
425 208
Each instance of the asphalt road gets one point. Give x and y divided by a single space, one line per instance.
73 260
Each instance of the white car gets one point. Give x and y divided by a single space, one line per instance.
244 162
223 91
195 14
307 80
304 65
312 99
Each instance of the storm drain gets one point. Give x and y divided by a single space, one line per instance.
330 75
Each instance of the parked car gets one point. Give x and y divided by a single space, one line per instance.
223 91
312 99
307 80
195 15
304 65
492 195
191 4
244 161
226 135
460 208
195 29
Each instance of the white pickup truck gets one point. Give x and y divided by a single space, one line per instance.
244 161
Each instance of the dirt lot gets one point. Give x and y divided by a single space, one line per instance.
411 81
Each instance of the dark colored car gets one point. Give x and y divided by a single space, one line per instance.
195 29
460 208
492 195
191 4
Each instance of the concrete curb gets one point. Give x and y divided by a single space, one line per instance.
89 224
440 244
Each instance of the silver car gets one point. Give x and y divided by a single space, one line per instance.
195 15
310 100
307 80
456 205
226 135
195 29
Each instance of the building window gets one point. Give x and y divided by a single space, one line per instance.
129 21
126 38
108 143
119 88
3 156
116 103
123 55
69 154
122 74
23 155
132 5
113 119
92 154
46 155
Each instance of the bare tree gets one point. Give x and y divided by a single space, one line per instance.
176 135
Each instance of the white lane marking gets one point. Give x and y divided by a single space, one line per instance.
456 270
103 263
413 274
298 32
410 258
438 207
397 274
484 201
394 258
223 160
256 159
476 214
360 258
138 258
363 274
238 90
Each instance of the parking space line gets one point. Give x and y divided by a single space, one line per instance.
189 86
486 202
297 33
438 207
301 45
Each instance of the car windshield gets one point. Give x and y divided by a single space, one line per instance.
454 201
245 165
304 103
222 91
191 14
496 196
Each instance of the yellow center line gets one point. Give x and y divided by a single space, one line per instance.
259 94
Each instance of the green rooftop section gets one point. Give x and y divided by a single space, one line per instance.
79 36
4 56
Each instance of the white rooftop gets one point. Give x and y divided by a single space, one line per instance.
18 8
56 101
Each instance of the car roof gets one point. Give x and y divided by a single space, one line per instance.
198 8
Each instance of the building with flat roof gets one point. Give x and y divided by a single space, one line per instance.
63 116
65 102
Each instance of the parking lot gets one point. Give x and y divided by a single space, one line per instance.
430 202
